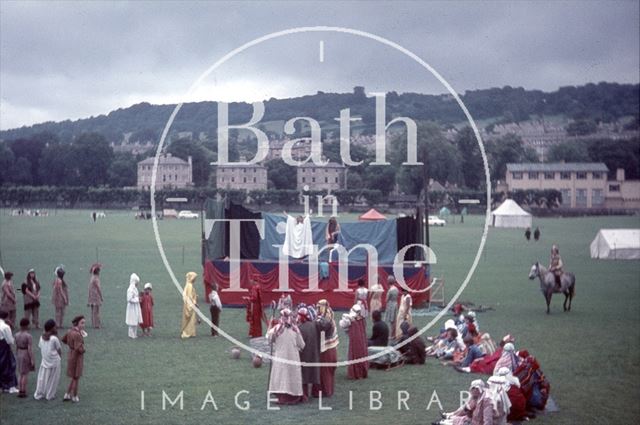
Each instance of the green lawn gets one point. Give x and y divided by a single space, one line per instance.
591 355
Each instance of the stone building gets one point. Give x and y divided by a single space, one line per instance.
322 177
245 177
173 172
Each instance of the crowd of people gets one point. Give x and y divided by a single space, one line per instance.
295 334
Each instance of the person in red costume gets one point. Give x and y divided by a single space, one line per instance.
255 314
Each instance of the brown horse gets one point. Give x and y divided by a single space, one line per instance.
548 284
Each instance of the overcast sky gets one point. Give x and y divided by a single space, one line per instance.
69 60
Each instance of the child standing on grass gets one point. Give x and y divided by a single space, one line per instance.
146 305
49 373
75 340
24 356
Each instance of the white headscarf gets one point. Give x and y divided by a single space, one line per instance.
510 380
132 292
496 393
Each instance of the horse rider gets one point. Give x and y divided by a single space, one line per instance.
556 265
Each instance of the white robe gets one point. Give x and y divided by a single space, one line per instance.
49 372
298 239
134 313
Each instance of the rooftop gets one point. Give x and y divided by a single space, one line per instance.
558 166
164 159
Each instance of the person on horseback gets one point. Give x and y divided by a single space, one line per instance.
556 265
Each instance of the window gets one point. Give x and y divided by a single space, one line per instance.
581 197
176 177
565 175
533 175
313 179
549 175
304 180
233 179
566 197
597 175
244 180
336 180
516 175
254 179
596 197
164 178
326 179
581 175
614 188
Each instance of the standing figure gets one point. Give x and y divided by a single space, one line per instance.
375 297
8 381
310 331
391 309
298 238
31 293
536 234
146 308
404 311
355 326
285 301
331 235
75 361
60 295
362 297
556 265
215 309
285 380
328 350
527 234
24 356
95 295
8 299
190 302
133 317
49 372
255 314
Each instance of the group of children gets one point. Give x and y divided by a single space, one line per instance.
14 370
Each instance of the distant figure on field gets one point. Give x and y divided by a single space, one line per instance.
536 234
8 299
527 234
24 356
556 265
95 295
50 353
60 295
134 315
146 307
190 300
31 292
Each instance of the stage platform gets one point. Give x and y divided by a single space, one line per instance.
267 274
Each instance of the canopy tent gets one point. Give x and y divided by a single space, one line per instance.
509 214
444 212
616 244
372 215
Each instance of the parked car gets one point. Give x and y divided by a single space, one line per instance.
187 214
436 221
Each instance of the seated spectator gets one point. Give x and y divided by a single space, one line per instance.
473 408
414 352
518 411
486 364
380 331
452 345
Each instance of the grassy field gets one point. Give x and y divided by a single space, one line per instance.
591 355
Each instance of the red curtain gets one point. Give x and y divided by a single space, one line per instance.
266 274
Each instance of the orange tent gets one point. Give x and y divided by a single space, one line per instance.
372 215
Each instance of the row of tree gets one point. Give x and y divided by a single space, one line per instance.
90 161
14 196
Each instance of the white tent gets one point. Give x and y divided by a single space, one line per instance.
616 244
509 214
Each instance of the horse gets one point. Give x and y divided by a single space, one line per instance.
548 284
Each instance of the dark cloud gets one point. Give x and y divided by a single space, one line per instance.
75 59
